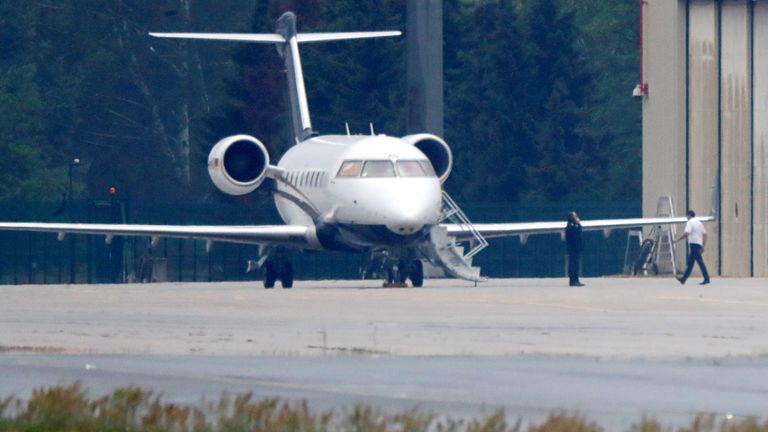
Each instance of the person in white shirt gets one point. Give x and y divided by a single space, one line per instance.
697 239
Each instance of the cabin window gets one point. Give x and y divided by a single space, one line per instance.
378 169
350 169
410 168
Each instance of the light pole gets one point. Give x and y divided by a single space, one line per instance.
72 165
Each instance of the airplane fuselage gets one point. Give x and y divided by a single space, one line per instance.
359 192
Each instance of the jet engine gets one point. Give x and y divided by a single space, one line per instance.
436 150
238 164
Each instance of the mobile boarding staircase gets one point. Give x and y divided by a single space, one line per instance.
446 253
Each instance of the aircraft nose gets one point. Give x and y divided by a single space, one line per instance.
409 216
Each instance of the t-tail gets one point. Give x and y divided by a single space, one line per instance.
287 40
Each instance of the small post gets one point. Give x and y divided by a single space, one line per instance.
72 165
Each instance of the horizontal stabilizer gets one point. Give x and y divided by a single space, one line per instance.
238 37
324 37
275 37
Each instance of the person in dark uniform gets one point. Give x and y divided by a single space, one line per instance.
574 247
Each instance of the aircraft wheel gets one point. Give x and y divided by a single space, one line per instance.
417 273
270 274
286 277
390 275
402 272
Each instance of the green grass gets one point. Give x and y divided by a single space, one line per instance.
69 409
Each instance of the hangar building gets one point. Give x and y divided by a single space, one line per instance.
704 90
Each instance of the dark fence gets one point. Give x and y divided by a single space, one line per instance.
27 257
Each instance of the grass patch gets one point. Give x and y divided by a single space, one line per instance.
69 408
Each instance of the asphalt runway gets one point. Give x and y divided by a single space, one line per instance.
614 350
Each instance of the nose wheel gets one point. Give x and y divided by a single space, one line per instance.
397 275
416 273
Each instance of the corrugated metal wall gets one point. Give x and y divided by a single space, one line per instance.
735 139
760 138
724 83
703 114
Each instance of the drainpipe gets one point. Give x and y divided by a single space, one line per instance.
642 88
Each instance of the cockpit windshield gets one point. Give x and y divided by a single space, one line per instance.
378 169
386 168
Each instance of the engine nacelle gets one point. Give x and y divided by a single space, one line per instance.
436 150
238 164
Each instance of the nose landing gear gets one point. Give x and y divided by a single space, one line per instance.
398 274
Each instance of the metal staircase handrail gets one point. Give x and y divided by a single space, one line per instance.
456 215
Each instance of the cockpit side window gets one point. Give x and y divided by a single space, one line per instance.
350 169
413 168
427 167
380 168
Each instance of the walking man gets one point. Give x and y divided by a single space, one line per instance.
697 239
574 247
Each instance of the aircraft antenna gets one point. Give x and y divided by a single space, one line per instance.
372 132
346 125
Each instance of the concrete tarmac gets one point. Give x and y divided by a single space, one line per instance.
614 350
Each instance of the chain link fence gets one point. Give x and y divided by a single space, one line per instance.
41 258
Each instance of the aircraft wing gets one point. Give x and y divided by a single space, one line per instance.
524 229
284 235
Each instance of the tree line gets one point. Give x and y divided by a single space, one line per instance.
537 93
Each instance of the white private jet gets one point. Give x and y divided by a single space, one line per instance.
373 194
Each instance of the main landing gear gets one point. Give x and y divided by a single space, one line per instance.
276 265
278 270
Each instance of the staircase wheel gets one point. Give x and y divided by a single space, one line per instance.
417 273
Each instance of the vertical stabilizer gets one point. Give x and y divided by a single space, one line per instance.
302 125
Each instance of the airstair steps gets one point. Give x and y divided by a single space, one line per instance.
443 252
452 212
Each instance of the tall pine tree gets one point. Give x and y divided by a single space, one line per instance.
558 104
28 166
486 81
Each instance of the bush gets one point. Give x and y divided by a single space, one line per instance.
68 408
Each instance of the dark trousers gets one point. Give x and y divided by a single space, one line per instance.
695 255
573 267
